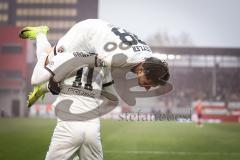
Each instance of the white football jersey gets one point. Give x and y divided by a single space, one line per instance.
94 36
79 79
106 40
97 37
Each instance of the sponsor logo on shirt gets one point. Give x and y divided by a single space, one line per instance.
81 54
81 92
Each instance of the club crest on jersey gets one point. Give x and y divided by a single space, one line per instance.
60 49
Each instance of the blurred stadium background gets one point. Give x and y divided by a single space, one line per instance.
209 76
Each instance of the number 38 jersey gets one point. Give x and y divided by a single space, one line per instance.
106 40
101 38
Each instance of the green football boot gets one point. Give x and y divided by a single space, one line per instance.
38 92
31 32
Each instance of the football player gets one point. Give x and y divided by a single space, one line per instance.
86 49
98 36
73 138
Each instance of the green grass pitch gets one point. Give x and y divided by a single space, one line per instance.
24 139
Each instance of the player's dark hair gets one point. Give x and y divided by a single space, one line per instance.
156 70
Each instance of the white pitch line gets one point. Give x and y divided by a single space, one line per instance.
171 153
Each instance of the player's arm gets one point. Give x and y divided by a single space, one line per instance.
108 83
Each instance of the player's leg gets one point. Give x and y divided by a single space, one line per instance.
91 147
39 34
66 140
42 44
38 92
31 32
200 121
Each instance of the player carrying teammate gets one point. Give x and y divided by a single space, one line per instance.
97 36
94 41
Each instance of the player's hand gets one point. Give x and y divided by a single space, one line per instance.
37 93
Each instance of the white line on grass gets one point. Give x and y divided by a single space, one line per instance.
171 153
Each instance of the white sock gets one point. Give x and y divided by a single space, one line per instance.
42 43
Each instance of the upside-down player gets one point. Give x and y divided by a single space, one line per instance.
90 36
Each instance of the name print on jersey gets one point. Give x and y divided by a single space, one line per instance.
141 48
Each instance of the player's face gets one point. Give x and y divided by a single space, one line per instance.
143 81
